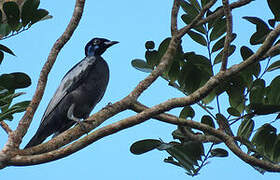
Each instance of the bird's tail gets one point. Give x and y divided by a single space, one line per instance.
36 139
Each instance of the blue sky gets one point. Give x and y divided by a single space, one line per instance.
131 23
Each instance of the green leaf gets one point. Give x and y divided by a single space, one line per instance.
152 58
28 11
273 95
257 38
263 109
260 136
218 58
15 80
195 4
219 152
260 24
174 71
220 43
274 66
39 15
187 154
257 94
204 2
6 49
1 56
150 45
234 112
144 146
208 120
246 52
163 47
188 8
246 128
5 29
11 10
275 150
188 18
197 38
275 8
16 108
218 30
186 112
141 65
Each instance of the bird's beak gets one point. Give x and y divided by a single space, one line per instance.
111 43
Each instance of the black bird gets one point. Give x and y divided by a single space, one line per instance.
79 91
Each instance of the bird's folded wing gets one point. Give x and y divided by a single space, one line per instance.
70 82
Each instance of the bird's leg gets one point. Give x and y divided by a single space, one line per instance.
70 115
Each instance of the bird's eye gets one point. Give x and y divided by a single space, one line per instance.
96 41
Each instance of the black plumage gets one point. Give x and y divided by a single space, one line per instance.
80 90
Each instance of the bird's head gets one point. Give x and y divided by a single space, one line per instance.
97 46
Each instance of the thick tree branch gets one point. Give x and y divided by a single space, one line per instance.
228 15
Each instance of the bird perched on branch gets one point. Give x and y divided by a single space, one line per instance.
79 91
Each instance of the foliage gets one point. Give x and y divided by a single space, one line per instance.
249 95
13 20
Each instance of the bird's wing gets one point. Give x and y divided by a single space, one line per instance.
69 82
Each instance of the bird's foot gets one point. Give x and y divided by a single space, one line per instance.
70 115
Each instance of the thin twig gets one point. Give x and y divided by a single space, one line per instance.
6 127
174 15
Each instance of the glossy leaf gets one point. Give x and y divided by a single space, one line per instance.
28 11
264 109
195 4
174 71
150 45
220 43
234 112
274 66
12 12
16 108
186 112
273 95
275 150
259 138
187 154
188 8
218 58
257 38
246 128
246 52
188 18
144 146
275 8
152 58
219 152
6 49
39 15
208 120
257 94
141 65
163 47
5 29
197 38
1 56
260 24
15 80
204 2
218 30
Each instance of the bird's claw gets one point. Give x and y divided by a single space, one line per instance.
70 115
107 106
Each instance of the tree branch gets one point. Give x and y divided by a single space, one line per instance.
15 137
228 15
6 127
174 15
